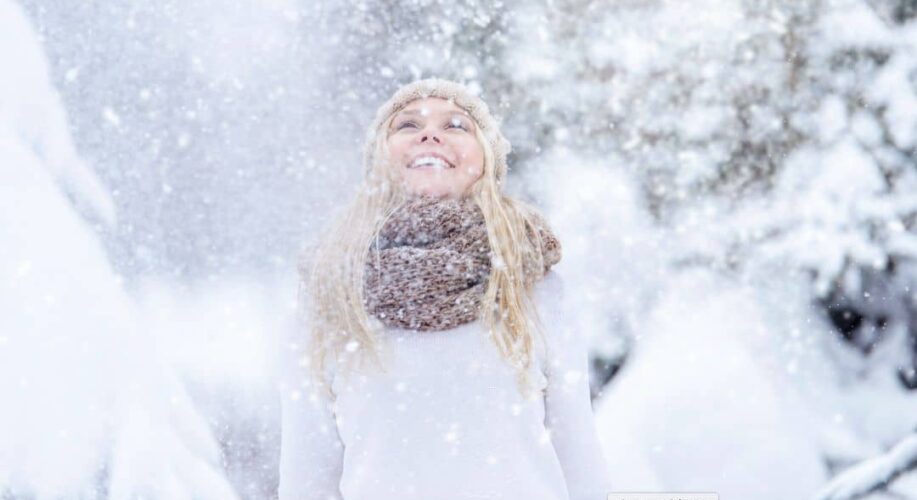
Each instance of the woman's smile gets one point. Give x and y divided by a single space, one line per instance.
430 160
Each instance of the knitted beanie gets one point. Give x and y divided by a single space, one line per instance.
447 89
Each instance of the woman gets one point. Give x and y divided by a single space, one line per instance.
431 362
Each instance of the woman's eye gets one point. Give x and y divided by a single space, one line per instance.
453 123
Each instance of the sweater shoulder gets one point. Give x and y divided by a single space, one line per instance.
564 343
549 288
295 351
548 297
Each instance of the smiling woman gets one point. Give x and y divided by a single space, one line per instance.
431 361
435 149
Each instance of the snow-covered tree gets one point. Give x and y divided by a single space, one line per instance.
91 408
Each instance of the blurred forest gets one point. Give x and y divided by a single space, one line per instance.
733 176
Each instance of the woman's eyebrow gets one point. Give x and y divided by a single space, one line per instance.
401 113
470 120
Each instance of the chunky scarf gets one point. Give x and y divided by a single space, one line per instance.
430 264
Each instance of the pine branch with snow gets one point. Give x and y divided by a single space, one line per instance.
872 475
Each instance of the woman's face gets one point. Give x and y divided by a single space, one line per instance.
434 149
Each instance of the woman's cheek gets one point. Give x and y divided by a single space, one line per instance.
475 171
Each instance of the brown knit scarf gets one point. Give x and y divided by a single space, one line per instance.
433 264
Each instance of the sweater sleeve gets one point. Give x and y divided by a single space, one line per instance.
311 451
568 409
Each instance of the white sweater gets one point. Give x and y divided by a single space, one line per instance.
447 422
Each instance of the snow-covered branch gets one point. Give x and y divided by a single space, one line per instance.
874 474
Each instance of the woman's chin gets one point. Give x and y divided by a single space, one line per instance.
436 189
436 183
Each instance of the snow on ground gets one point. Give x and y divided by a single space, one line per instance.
695 409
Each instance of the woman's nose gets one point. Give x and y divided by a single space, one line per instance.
425 136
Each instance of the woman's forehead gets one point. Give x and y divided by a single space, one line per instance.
432 106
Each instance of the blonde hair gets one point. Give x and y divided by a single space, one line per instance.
331 272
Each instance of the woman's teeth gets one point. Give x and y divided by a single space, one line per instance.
429 162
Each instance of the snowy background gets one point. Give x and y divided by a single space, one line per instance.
734 183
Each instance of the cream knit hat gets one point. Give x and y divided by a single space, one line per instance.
447 89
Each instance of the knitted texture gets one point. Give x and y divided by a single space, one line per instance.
429 267
446 89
